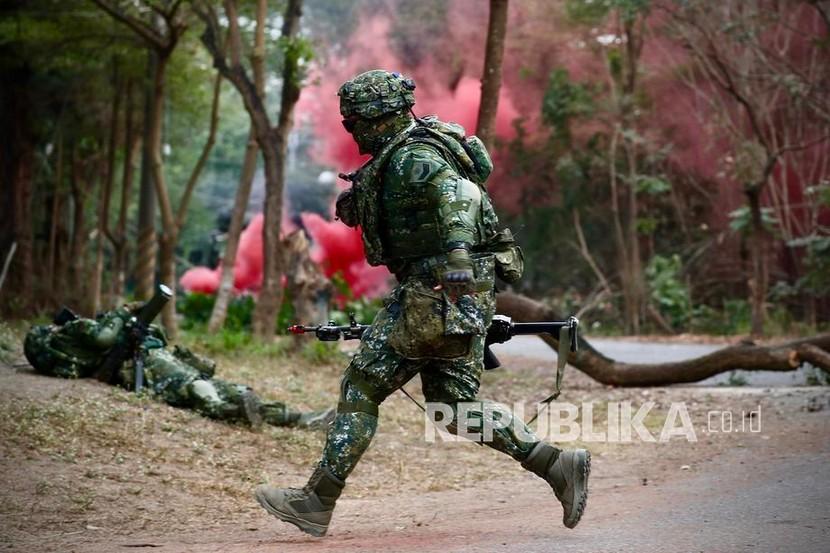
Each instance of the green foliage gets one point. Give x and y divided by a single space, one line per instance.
563 101
9 344
816 279
816 377
737 315
737 379
651 185
297 53
592 12
196 308
232 340
667 290
364 311
740 220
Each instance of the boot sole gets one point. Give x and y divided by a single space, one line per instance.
580 479
316 530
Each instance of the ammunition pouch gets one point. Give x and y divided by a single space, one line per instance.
510 262
345 208
431 325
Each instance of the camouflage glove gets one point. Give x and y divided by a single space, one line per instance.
345 208
458 278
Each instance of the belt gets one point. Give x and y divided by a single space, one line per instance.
428 269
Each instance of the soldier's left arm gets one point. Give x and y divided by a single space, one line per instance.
457 201
99 334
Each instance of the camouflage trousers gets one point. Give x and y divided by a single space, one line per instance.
377 370
173 378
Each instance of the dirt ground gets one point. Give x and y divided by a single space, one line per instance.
87 467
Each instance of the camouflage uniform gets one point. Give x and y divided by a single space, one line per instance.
179 377
425 214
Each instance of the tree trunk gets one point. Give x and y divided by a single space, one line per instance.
167 275
57 199
104 196
746 356
119 239
491 78
758 280
16 173
77 248
145 265
270 296
305 283
226 280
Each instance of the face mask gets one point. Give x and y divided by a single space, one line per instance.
372 134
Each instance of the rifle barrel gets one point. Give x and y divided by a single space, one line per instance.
552 328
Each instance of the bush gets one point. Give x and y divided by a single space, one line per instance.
196 308
666 289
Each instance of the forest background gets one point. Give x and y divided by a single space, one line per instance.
664 164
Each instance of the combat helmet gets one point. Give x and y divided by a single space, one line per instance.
376 93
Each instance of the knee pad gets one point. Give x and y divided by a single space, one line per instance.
356 396
205 391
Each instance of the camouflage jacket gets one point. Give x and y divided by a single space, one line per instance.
418 198
77 348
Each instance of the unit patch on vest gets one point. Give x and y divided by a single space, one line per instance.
423 168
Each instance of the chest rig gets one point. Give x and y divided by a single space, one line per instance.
402 222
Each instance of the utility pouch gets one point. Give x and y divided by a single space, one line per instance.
510 261
431 325
481 158
345 208
419 332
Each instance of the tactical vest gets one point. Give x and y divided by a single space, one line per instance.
414 232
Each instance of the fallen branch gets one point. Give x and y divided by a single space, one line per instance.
747 356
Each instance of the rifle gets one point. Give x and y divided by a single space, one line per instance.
331 332
137 327
501 330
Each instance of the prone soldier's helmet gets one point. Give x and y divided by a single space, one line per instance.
376 93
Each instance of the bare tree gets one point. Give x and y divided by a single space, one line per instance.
105 194
765 94
243 192
491 77
118 236
163 38
272 139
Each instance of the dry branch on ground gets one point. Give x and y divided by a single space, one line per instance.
746 355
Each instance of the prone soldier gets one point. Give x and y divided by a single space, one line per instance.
74 347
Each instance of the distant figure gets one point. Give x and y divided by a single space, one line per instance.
179 377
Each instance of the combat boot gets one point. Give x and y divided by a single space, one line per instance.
251 406
309 508
567 473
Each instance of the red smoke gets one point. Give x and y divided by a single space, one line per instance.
370 49
337 249
247 270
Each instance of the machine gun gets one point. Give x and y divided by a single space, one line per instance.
501 330
130 346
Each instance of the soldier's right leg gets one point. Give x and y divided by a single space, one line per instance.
375 372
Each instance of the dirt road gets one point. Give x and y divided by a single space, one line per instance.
770 493
88 468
